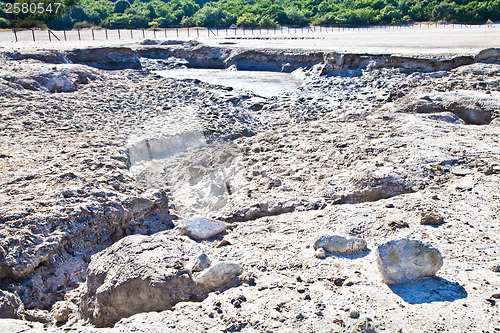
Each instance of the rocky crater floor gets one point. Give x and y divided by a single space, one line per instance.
367 200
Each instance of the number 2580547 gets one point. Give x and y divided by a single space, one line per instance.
32 8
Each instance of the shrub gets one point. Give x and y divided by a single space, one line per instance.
82 25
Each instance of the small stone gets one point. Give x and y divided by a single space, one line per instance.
339 244
219 275
405 260
236 302
223 242
348 283
199 228
301 290
201 262
364 326
430 217
320 253
495 268
397 224
354 314
339 281
497 296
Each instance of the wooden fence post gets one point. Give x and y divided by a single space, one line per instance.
15 33
33 33
53 34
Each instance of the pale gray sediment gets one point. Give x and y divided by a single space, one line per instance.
365 142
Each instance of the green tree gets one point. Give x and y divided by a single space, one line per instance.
247 20
267 22
4 23
117 21
61 23
97 10
210 16
77 14
443 11
295 17
121 6
390 14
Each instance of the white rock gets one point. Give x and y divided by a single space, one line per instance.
405 260
219 275
202 228
200 263
339 244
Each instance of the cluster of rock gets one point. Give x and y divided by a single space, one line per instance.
150 273
399 261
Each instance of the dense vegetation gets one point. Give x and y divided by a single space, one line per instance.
256 13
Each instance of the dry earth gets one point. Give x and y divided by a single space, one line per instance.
100 168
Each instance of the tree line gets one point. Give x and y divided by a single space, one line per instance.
141 14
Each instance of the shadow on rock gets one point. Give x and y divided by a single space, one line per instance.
430 290
357 255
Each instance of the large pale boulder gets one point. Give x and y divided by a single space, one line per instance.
405 260
339 244
147 273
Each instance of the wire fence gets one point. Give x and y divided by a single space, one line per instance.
195 33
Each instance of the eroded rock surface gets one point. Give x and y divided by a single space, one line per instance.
129 152
11 305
